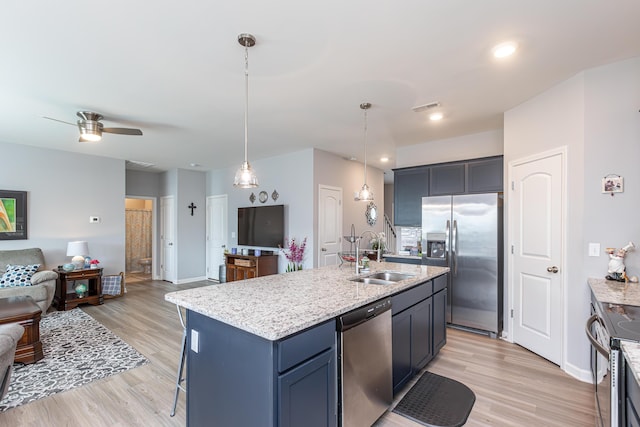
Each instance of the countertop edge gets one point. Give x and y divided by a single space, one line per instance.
203 301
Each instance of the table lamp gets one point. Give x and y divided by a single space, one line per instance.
78 250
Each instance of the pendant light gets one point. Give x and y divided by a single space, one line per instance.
365 195
245 176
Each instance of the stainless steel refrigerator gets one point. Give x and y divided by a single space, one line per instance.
464 233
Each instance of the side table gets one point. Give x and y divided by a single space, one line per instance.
66 297
23 310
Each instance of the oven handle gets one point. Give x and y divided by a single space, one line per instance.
603 351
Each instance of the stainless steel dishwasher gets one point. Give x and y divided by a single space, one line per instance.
366 372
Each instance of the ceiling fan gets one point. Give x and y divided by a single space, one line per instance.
91 128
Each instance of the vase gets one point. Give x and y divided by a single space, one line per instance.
93 266
293 267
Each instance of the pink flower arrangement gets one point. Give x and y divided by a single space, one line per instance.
294 253
94 261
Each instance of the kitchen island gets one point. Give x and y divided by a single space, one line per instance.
264 351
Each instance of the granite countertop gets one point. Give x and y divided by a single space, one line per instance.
610 291
631 352
276 306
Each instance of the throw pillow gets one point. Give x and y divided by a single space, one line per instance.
18 275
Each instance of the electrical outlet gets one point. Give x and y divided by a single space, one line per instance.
94 219
195 341
233 234
594 249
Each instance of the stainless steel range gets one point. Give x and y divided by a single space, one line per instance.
608 325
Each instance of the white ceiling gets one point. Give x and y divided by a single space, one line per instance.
176 71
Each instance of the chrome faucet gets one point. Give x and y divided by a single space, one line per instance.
377 237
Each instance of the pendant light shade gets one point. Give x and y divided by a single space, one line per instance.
245 176
365 194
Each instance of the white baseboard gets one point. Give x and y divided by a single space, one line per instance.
583 375
189 280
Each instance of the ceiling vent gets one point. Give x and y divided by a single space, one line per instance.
425 107
139 163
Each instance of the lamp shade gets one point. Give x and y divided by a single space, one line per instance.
77 248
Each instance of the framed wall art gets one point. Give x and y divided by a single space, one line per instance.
13 215
612 184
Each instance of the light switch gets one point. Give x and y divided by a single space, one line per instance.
195 341
594 249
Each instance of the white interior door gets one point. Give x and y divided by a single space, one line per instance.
537 239
168 237
329 225
216 234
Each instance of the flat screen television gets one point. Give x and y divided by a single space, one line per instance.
261 226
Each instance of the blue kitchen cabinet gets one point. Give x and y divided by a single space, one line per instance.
485 175
307 393
410 186
447 179
238 379
419 328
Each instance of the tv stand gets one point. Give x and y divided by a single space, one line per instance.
240 267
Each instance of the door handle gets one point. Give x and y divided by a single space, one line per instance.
553 269
324 249
170 244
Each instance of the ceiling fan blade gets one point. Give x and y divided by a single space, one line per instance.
56 120
123 131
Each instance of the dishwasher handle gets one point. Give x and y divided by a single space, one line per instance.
363 314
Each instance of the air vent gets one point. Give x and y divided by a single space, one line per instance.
425 107
140 163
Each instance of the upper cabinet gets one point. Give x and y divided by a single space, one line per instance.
447 179
410 186
485 175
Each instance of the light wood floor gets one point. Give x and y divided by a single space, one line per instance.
513 387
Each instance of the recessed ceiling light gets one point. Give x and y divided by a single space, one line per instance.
435 116
384 159
504 49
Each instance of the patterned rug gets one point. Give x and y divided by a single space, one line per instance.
77 350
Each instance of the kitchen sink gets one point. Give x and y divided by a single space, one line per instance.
372 281
383 278
391 276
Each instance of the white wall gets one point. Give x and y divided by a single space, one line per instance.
595 115
292 176
330 169
612 146
191 230
556 119
64 190
477 145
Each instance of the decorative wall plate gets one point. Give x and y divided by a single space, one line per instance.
274 195
252 197
263 196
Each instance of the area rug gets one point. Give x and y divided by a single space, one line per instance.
437 401
77 350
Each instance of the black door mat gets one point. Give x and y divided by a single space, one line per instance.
437 401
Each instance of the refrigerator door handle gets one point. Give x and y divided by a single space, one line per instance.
454 248
446 243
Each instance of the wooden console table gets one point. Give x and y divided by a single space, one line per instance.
240 267
66 297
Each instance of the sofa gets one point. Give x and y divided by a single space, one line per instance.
42 283
9 336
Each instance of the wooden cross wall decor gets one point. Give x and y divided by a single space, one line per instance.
192 207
